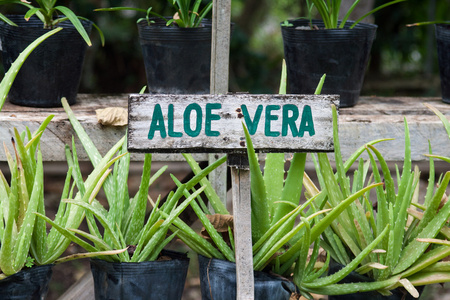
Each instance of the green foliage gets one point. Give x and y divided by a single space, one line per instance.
329 12
24 238
277 240
407 228
124 222
187 13
46 10
29 262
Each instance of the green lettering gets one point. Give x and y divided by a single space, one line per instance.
209 117
290 115
252 126
157 123
172 133
269 118
307 123
187 120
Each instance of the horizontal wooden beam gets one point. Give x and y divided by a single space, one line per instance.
372 118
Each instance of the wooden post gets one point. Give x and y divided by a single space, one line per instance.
220 46
220 53
240 177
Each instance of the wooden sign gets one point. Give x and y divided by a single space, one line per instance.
214 123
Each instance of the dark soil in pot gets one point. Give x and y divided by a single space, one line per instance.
342 54
443 49
28 284
52 71
218 281
177 60
150 280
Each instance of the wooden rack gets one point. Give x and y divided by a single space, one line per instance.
372 118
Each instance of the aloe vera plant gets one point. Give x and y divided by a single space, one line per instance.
410 251
329 12
46 10
278 242
124 222
187 13
24 237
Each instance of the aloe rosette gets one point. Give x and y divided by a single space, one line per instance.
24 237
125 224
412 248
283 229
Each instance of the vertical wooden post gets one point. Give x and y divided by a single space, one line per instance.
220 60
240 176
240 173
220 47
218 178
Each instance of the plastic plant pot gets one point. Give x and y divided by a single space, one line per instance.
443 50
342 54
52 71
218 281
28 284
177 60
150 280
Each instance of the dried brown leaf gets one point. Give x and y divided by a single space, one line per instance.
112 116
221 224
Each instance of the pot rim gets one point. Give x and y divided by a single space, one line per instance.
300 22
35 22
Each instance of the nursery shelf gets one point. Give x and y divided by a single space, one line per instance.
372 118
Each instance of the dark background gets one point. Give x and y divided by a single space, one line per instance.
403 63
403 60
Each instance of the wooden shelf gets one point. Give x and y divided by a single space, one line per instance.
372 118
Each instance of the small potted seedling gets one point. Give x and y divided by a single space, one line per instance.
387 248
338 48
146 270
59 63
177 49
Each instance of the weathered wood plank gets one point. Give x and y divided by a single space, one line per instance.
82 289
59 132
220 56
200 123
377 117
240 177
220 46
372 117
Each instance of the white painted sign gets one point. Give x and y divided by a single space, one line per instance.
214 123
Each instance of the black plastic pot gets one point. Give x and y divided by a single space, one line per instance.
443 49
177 60
151 280
397 294
52 71
29 284
342 54
218 281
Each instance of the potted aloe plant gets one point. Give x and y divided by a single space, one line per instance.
22 258
59 64
275 207
386 252
27 251
176 45
338 48
145 270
